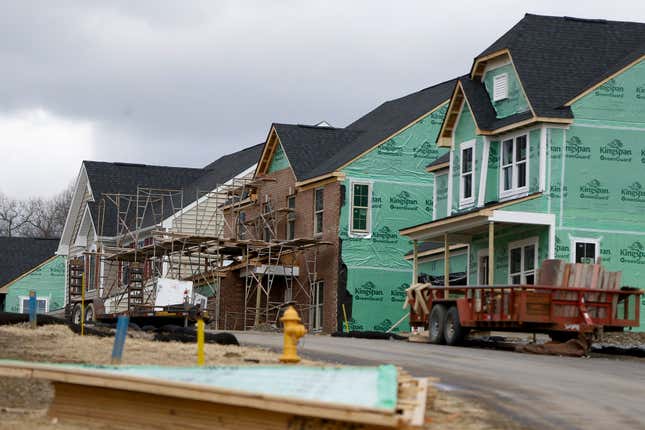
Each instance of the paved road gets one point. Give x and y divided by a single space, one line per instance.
538 391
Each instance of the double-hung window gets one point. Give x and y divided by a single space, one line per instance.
584 250
522 261
42 305
467 174
291 217
360 211
514 167
318 211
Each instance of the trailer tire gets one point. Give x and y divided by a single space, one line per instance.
89 314
454 332
76 314
436 324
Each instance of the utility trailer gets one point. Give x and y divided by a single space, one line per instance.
561 311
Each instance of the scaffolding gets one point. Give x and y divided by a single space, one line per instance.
156 236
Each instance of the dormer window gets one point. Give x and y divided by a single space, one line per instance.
500 87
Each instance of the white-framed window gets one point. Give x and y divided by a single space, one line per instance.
522 261
500 87
291 217
467 174
319 209
42 305
584 250
514 166
360 209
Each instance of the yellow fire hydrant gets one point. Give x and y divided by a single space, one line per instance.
293 330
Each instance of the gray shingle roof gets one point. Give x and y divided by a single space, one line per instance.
18 255
124 178
315 151
557 58
308 146
445 158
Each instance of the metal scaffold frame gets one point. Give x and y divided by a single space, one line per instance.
158 236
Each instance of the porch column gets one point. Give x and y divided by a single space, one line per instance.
491 253
415 263
446 265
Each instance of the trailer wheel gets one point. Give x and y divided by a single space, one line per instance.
453 331
76 314
89 314
436 324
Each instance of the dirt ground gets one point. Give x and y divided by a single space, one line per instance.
23 403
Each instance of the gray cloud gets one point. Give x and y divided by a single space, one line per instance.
183 82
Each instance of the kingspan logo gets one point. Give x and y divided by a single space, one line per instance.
633 254
556 190
390 148
403 201
436 117
385 235
399 293
384 325
354 325
643 156
640 92
594 190
426 150
633 193
561 250
610 89
575 148
615 151
368 292
377 202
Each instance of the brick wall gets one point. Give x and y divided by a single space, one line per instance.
278 186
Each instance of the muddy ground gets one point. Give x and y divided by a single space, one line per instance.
23 403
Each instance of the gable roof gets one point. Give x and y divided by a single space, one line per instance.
308 146
18 255
557 58
384 121
439 162
125 178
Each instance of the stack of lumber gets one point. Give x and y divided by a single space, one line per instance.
132 397
417 295
578 275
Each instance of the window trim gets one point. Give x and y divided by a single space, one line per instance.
466 201
316 212
291 218
367 233
514 191
21 300
317 306
482 253
533 240
503 96
573 240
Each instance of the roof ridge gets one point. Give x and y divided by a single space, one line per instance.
127 164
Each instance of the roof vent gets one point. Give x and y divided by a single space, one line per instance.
500 87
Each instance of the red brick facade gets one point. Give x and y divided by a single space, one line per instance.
276 189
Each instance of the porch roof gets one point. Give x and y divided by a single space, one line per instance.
461 227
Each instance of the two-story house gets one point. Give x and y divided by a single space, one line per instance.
352 188
546 140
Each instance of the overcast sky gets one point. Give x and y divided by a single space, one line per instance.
184 82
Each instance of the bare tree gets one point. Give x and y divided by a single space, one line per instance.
14 216
47 216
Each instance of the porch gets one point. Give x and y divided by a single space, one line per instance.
503 247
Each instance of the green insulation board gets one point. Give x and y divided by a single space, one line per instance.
47 280
377 385
435 267
400 195
279 160
516 101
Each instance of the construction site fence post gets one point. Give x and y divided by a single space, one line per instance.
200 342
33 307
119 338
